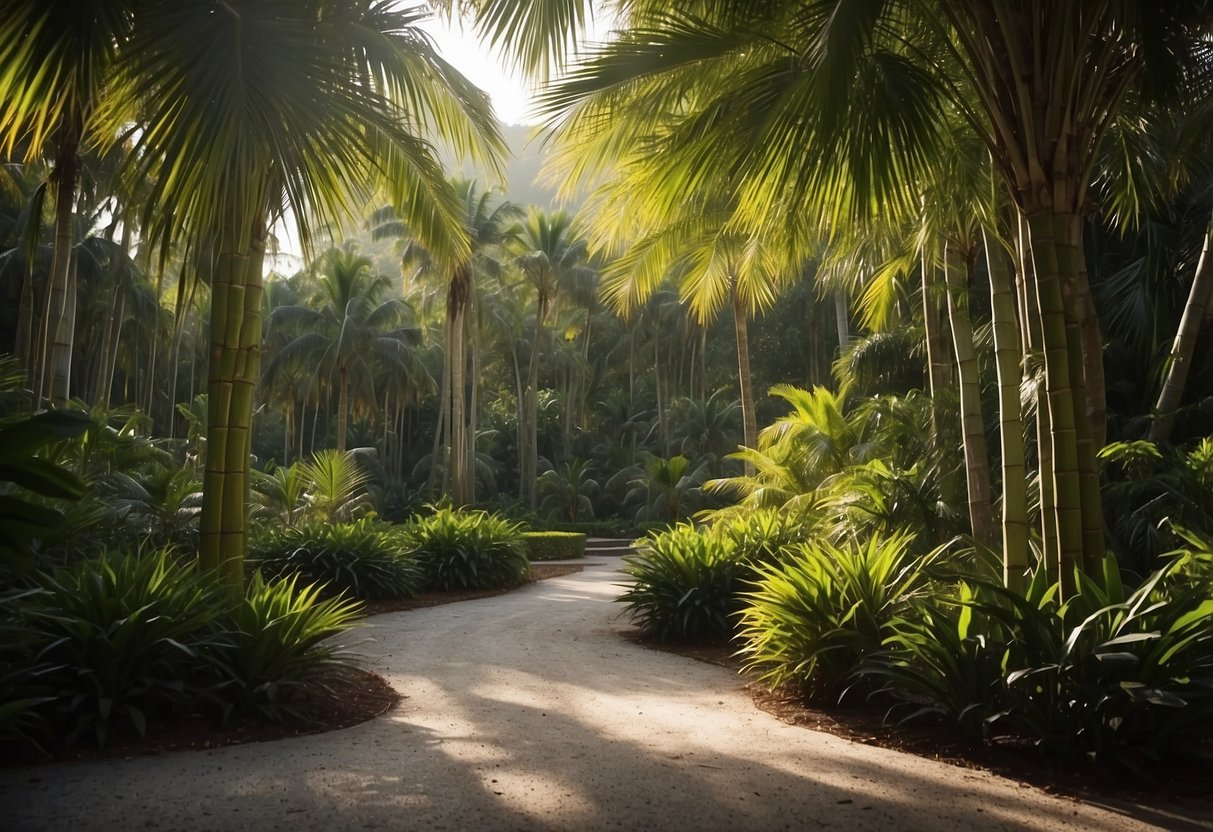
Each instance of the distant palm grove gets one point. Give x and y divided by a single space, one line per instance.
886 326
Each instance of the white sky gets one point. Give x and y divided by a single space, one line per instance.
510 93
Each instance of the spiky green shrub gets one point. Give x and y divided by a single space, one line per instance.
811 619
685 584
464 549
277 643
761 536
1109 674
125 634
554 545
365 559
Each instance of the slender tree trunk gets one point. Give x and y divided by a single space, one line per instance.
55 361
745 385
457 299
232 377
1085 344
977 460
343 406
520 410
473 400
1032 338
441 432
1008 354
1183 348
1052 259
842 320
530 461
939 366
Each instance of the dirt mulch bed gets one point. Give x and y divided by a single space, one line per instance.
353 696
1171 781
539 572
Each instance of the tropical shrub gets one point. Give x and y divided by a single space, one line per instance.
811 619
684 585
365 559
762 536
465 549
554 545
1109 674
125 634
26 520
277 643
567 491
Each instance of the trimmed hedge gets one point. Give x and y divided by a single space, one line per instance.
554 545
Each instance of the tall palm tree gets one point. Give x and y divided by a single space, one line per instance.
55 64
247 107
349 333
831 109
485 225
551 253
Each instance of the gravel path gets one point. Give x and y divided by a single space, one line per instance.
528 711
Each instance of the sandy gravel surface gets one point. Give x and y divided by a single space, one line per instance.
529 711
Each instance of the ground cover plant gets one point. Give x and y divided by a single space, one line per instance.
365 559
461 549
112 645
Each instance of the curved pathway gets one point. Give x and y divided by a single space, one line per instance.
528 711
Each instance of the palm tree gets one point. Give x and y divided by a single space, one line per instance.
246 107
350 334
485 226
551 254
839 132
55 64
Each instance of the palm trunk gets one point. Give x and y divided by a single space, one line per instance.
55 352
441 432
842 320
1183 349
745 384
343 406
939 367
231 379
473 401
1008 354
977 460
457 297
520 410
1052 260
530 459
1085 343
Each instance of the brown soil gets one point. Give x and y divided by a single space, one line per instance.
351 697
539 572
1174 780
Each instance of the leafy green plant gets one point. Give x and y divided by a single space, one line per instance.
365 559
554 545
943 658
1109 674
567 492
277 644
125 633
811 619
337 486
685 584
667 489
26 476
761 536
463 549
